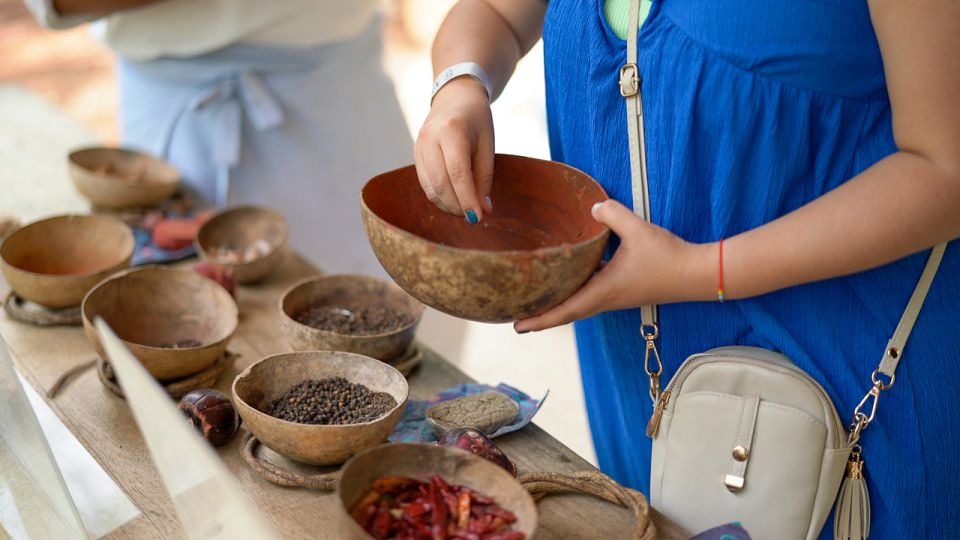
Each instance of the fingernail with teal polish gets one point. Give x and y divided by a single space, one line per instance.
472 217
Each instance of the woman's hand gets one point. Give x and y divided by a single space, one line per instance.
651 266
454 150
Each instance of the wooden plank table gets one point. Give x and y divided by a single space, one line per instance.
34 184
104 425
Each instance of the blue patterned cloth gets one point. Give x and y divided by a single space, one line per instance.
754 109
413 426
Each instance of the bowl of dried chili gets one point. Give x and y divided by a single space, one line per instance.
405 490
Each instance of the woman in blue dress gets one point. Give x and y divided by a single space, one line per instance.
819 138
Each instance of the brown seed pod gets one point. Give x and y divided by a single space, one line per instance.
475 442
212 413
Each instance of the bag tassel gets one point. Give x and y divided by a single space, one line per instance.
851 517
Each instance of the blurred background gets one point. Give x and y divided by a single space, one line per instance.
60 87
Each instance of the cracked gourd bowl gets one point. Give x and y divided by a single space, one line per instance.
537 248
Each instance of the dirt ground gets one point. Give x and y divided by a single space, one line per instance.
76 72
67 67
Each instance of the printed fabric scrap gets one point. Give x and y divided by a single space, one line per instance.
413 426
730 531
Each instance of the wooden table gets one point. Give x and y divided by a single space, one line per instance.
104 425
35 184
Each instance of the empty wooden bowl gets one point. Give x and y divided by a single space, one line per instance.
347 295
258 385
249 239
176 322
420 461
54 262
121 178
537 248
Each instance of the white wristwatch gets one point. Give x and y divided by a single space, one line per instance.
471 69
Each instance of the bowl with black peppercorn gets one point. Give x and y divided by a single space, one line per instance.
352 313
176 322
320 407
249 239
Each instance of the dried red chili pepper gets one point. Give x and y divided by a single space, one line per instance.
381 526
394 485
400 508
463 509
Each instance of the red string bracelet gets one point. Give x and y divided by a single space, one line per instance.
720 281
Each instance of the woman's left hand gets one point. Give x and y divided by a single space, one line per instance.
652 265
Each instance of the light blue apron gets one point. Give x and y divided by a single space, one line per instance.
298 130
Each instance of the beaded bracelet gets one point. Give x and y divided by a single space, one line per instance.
720 281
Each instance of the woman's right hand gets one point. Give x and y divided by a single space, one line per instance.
454 150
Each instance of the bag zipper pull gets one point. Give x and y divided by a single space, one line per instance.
654 424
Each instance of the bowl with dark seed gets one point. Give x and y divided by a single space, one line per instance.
176 322
352 313
320 407
249 239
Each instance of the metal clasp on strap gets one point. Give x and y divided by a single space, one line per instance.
629 80
861 419
650 333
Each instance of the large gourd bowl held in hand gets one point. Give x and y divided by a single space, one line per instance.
538 246
176 322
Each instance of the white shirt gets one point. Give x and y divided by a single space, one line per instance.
185 28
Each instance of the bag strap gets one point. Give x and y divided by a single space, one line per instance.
630 88
630 83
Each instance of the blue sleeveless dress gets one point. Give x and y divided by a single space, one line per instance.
753 110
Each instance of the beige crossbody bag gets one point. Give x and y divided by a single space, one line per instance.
743 434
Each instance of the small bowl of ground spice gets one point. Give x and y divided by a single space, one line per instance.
353 313
248 239
320 407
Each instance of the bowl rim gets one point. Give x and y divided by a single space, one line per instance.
345 511
274 248
71 159
318 427
124 273
550 250
416 318
128 254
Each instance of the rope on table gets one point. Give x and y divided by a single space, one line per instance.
599 485
177 389
281 476
21 310
68 376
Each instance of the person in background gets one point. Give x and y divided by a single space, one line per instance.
283 104
820 139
